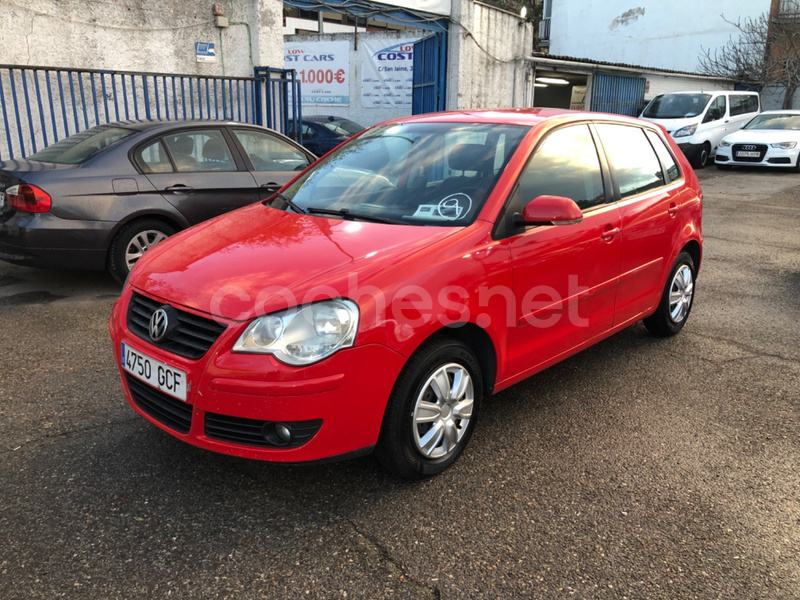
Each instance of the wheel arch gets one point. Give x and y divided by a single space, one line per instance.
693 249
166 219
479 341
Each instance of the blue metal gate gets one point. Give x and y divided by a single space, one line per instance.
430 74
41 105
617 94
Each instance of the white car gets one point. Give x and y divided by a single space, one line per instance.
771 139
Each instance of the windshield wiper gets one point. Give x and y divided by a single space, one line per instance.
346 213
296 208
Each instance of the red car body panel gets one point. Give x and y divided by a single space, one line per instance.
607 272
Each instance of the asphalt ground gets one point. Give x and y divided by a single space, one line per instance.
640 468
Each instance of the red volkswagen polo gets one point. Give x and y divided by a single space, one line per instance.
384 294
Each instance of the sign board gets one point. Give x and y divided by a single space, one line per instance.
323 69
205 52
387 73
577 99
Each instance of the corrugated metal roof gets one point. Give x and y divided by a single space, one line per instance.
588 62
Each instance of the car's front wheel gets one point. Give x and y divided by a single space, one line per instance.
132 242
432 410
676 300
703 157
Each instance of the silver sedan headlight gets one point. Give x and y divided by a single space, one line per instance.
302 335
724 144
784 145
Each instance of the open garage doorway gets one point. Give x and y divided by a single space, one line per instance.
556 89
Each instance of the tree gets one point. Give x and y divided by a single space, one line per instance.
765 54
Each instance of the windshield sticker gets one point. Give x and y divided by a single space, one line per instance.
451 208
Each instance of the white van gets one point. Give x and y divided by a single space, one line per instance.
699 120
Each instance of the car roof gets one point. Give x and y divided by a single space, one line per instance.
787 111
155 125
515 116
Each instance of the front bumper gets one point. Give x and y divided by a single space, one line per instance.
691 151
774 157
234 401
46 241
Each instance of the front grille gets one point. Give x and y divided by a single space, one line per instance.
760 148
165 409
254 432
190 338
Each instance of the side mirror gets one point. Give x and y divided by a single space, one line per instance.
713 115
549 210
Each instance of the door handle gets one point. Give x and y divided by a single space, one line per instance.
271 186
178 189
673 209
610 233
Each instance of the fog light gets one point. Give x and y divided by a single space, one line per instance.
283 432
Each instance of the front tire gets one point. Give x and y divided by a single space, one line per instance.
132 242
703 157
676 300
432 410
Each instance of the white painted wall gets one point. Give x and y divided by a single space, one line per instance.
366 116
140 35
486 52
661 84
649 33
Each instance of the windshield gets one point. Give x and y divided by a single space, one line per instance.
343 127
82 146
411 173
775 121
676 106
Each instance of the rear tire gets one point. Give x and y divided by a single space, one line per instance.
676 300
132 242
432 410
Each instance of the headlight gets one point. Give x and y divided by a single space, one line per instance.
784 145
724 144
684 131
302 335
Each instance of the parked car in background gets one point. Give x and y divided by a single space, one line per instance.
428 263
102 197
322 133
699 120
771 139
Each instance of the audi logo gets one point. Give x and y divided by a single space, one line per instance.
749 147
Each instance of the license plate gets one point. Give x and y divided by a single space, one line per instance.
747 154
153 372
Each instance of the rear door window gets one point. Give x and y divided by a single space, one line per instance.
666 157
634 161
743 103
200 150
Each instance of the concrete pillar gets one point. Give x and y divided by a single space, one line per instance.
459 55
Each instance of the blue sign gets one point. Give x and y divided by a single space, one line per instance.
205 52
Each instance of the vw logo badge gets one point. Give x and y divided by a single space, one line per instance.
158 325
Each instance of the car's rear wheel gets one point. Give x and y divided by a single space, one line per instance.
432 410
676 300
132 242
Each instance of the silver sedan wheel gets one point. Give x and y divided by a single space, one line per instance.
140 243
443 410
681 292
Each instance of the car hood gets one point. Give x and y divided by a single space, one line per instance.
258 259
672 124
762 136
